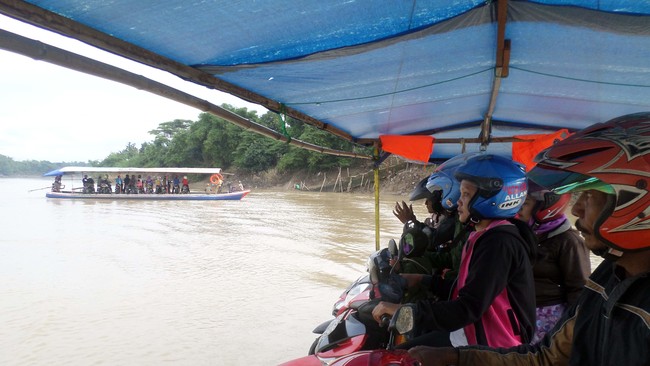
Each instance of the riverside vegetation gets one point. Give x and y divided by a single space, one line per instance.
258 161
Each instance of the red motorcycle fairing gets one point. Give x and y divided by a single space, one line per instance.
380 357
344 335
352 297
310 360
345 347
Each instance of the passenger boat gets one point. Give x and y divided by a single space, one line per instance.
211 192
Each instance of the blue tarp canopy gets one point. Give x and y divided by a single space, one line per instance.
367 68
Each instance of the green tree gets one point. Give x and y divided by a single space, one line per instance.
169 129
221 141
214 142
125 158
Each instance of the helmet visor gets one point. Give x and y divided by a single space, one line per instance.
408 244
562 181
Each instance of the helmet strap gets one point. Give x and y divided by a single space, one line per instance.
471 223
609 254
613 253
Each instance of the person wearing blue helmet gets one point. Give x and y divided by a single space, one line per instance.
440 192
434 250
493 302
450 234
404 212
420 241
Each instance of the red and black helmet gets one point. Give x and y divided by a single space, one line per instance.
549 206
613 157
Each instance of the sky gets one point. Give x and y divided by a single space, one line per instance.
48 112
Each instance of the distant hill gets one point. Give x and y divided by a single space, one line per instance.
12 168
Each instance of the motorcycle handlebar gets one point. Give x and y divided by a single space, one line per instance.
385 320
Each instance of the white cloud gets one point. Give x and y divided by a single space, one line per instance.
48 112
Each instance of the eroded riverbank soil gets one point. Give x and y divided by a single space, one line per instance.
396 177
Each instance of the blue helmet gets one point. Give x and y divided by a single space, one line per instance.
502 186
443 179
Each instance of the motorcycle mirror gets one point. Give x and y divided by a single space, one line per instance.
379 268
404 319
392 248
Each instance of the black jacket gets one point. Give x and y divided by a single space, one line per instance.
562 267
501 259
608 325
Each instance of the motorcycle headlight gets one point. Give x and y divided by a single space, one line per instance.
404 319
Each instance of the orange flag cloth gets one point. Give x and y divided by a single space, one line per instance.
525 151
410 147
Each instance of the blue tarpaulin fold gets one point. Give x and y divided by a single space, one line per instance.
385 67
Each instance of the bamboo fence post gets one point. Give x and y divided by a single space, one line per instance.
337 180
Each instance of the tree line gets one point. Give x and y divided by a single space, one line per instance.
212 141
10 167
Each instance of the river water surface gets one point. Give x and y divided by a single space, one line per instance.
179 283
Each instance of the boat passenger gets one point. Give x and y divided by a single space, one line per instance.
133 185
562 266
419 254
186 184
415 240
56 185
607 166
88 184
446 238
177 183
164 184
127 184
139 184
405 213
103 185
158 185
118 184
493 302
149 184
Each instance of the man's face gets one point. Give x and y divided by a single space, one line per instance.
429 203
467 192
587 208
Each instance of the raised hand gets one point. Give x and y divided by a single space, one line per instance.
403 212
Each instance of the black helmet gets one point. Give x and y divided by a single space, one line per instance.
414 240
420 191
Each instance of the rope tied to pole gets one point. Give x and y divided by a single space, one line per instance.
283 124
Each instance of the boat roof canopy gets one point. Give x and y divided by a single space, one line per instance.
87 169
466 73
